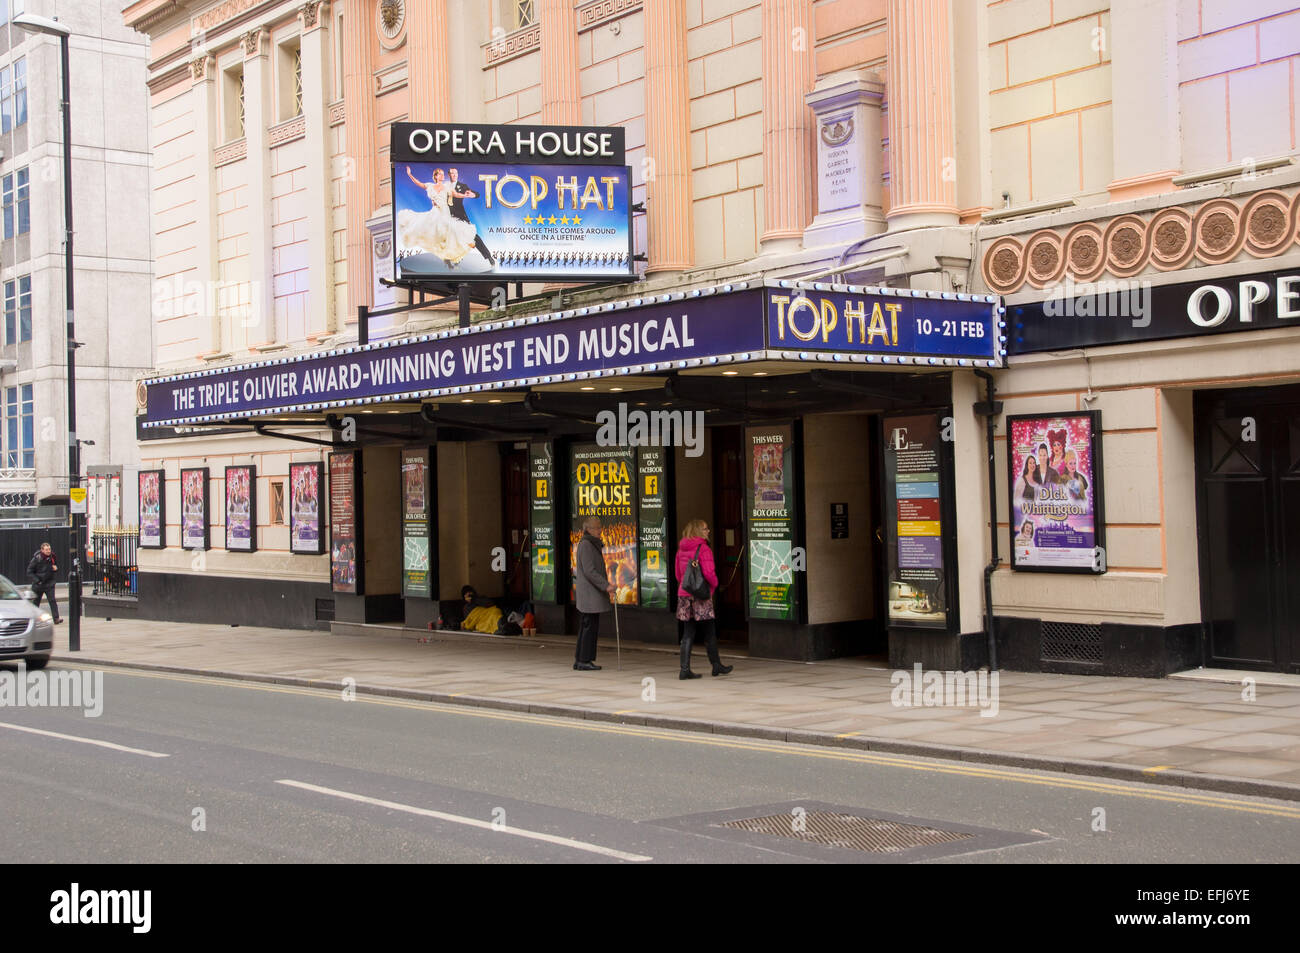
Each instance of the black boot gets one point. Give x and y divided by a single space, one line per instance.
687 640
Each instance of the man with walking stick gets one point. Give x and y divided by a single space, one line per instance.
593 593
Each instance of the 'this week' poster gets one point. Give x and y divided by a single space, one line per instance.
770 465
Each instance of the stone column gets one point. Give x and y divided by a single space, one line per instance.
316 86
359 128
922 154
426 58
561 94
788 75
669 220
204 93
1144 64
259 325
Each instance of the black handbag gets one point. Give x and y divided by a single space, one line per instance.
693 580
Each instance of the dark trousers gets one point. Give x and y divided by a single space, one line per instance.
588 629
49 595
706 628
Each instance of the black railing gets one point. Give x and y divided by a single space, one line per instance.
112 562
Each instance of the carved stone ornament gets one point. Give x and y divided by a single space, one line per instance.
199 68
391 17
311 14
252 42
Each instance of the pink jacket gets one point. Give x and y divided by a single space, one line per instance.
686 552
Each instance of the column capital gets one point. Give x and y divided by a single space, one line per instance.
202 68
255 43
313 14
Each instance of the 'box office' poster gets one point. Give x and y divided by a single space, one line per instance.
419 561
346 563
915 486
541 475
601 484
770 508
1055 486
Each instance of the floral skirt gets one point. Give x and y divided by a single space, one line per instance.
694 610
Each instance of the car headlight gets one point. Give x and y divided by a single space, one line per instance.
45 617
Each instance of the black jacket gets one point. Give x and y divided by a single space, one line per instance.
41 570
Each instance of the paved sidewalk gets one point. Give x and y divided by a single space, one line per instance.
1192 732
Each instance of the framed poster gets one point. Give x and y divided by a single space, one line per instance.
241 509
541 477
602 485
419 511
918 508
153 509
306 523
652 523
1054 478
194 508
770 507
346 562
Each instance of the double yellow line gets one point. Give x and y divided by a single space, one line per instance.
962 769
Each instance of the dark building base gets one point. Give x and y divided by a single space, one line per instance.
1141 651
938 650
224 600
381 608
773 638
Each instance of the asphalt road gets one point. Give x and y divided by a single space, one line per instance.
279 774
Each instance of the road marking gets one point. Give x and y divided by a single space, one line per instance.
625 711
1157 769
921 763
849 734
469 821
85 741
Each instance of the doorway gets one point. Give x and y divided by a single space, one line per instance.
515 520
729 533
1248 526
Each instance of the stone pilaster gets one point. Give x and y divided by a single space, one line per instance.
561 93
671 233
788 75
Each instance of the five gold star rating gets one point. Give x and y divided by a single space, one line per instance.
552 220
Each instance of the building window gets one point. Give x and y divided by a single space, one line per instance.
290 80
18 310
13 94
524 13
16 204
20 445
277 501
233 94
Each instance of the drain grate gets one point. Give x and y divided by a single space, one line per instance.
849 831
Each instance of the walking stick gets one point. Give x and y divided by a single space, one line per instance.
618 638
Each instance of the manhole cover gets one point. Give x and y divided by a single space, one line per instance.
847 831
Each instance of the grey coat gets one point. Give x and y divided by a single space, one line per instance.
590 582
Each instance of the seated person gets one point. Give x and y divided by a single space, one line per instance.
480 614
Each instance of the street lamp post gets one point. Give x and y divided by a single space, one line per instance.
37 24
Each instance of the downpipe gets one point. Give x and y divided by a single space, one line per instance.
988 410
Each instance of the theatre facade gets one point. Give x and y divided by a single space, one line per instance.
968 354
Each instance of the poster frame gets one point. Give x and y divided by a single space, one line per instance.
320 509
430 452
162 509
358 532
1098 491
947 517
252 508
207 509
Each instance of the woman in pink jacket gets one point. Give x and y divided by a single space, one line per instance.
692 611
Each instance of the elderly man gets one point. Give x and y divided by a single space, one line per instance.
592 592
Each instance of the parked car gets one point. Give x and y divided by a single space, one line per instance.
26 630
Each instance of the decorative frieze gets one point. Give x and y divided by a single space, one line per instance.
1214 232
599 12
230 152
287 131
511 46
